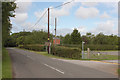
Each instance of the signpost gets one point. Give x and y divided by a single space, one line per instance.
48 44
83 50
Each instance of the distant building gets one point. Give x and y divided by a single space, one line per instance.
56 40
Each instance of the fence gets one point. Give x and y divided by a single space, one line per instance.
99 52
101 55
74 52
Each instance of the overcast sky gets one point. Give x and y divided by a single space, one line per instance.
91 17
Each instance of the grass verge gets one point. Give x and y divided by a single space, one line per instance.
93 57
0 63
103 57
6 64
119 72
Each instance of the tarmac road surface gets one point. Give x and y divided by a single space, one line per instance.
28 64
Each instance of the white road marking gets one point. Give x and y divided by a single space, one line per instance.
54 68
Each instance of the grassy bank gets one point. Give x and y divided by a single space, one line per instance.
119 72
102 57
107 57
6 64
0 63
98 58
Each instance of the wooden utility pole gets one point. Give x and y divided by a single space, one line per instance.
55 25
55 29
48 30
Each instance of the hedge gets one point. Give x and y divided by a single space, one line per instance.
102 47
94 47
66 52
33 47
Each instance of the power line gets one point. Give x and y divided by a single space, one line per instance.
40 18
62 4
47 10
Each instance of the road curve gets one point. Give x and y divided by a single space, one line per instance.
31 65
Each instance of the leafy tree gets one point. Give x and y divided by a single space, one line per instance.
76 37
10 42
7 8
85 39
20 40
88 34
100 39
67 39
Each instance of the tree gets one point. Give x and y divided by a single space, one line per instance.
76 37
67 39
10 42
85 39
20 40
100 39
88 34
7 12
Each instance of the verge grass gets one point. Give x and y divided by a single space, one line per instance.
6 64
119 72
93 57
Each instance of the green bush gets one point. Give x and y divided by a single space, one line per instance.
66 52
33 47
93 47
102 47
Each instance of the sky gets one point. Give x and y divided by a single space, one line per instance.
94 17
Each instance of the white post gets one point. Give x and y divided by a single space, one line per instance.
83 50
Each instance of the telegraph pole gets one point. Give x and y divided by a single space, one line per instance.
48 30
55 29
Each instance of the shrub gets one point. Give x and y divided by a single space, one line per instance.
66 52
94 47
102 47
33 47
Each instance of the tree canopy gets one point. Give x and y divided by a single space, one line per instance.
7 12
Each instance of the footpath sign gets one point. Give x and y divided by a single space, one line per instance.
47 44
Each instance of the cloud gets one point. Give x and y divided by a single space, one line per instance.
85 13
81 29
20 17
39 14
23 7
21 12
113 7
107 27
63 11
29 26
54 12
104 15
63 31
89 4
57 12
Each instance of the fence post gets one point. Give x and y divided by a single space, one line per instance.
88 50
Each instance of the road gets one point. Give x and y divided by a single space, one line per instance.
31 65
